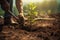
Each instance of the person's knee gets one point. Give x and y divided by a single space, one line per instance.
5 5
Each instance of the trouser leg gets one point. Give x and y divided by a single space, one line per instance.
7 15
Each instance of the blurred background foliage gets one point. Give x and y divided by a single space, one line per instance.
1 11
37 9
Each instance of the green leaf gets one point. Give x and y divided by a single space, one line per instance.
35 13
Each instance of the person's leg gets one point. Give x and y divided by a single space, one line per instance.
7 18
20 10
5 6
7 15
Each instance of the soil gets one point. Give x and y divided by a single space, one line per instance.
34 32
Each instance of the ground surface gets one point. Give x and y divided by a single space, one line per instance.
45 30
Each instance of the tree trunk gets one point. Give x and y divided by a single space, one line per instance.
20 10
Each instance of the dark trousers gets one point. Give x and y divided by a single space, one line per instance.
7 15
